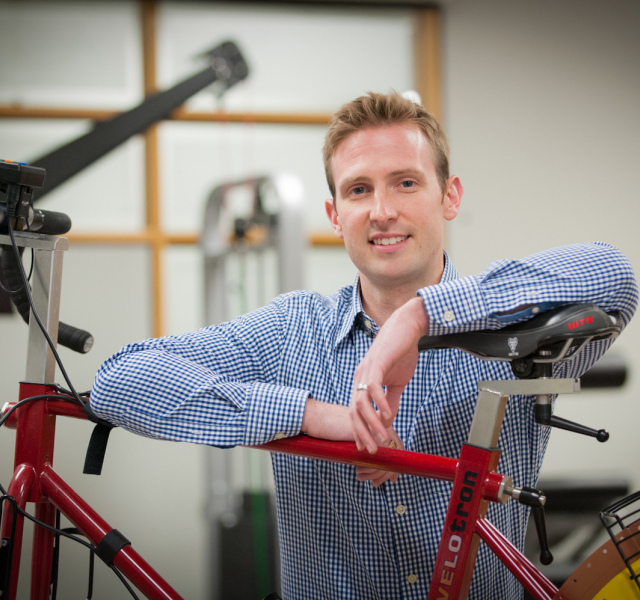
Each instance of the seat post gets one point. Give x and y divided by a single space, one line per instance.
487 419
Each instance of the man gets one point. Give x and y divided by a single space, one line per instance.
309 363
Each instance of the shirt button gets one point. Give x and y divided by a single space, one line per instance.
448 315
280 435
401 509
412 578
368 324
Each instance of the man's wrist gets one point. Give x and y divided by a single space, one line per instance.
419 314
327 421
309 416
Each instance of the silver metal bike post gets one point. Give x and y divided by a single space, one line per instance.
487 419
492 402
46 283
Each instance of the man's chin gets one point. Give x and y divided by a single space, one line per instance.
390 279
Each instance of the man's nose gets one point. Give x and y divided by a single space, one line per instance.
383 208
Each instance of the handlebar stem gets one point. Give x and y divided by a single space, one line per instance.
46 289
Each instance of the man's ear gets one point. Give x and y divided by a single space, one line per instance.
334 219
453 197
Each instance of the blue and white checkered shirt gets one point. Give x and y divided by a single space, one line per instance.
244 382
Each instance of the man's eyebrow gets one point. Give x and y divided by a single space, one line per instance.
405 172
355 179
367 179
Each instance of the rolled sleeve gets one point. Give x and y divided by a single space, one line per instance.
456 305
509 291
273 412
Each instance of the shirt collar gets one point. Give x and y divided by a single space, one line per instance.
352 309
354 316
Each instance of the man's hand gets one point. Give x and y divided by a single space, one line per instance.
391 361
331 422
378 476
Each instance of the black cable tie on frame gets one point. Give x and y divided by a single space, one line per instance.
97 444
110 545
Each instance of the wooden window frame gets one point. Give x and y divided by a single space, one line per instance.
427 73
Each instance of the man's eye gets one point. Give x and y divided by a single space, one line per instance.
407 184
358 190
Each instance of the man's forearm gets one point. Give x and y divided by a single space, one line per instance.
327 421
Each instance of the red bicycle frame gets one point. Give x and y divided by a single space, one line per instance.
475 482
34 480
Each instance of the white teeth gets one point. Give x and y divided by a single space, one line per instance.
389 241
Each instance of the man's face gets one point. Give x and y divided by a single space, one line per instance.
389 208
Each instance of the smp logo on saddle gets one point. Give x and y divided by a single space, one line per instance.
580 322
513 344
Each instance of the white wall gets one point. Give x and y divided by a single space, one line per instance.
541 105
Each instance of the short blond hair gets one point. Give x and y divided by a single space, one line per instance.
376 110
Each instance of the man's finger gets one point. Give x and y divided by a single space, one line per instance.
361 432
368 428
373 418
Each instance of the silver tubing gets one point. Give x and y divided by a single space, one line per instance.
487 419
532 387
46 284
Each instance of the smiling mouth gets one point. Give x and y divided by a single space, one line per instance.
389 241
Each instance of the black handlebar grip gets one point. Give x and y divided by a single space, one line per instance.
75 339
50 222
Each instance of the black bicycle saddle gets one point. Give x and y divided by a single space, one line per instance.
554 335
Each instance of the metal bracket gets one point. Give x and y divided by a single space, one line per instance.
46 284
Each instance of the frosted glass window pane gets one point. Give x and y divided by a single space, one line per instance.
251 282
26 140
106 196
71 53
300 58
195 158
183 289
105 290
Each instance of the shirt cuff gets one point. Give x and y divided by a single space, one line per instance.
454 306
274 412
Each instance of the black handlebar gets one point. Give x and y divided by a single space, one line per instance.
75 339
49 222
17 182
